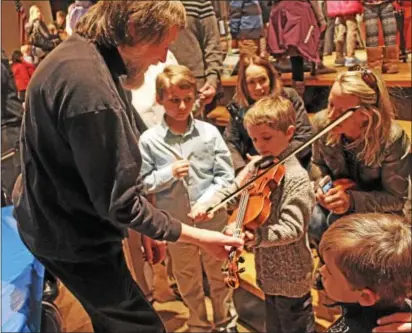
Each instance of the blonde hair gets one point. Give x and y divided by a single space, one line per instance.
277 112
25 49
52 28
373 251
177 75
109 22
376 100
242 94
32 11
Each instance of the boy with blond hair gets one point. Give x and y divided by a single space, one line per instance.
367 269
185 162
282 255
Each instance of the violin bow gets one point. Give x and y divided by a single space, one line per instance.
349 112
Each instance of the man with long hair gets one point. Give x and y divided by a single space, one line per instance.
81 161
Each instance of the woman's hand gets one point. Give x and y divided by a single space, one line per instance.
335 200
397 322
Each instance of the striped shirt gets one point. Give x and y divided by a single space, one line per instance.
199 8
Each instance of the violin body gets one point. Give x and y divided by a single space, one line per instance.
253 210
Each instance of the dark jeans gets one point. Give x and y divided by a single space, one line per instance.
319 222
108 293
289 315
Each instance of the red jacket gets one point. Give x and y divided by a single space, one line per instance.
22 72
343 7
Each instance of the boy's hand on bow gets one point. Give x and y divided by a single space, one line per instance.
199 213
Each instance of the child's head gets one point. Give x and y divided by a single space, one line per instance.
25 50
60 17
270 123
367 259
16 56
370 126
176 91
257 78
52 29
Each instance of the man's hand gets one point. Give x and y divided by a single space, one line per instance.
199 214
247 236
213 242
397 322
207 93
335 200
180 168
154 251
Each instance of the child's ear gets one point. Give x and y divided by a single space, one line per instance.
368 297
290 131
159 100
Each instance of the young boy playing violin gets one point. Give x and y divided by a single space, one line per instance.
184 162
282 256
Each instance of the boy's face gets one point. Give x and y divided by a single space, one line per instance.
335 283
269 141
178 103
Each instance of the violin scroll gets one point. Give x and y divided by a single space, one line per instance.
232 271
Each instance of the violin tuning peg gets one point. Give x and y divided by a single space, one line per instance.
242 270
241 260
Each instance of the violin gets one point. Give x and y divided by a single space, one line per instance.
272 173
253 210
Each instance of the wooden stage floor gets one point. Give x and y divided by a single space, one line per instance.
402 79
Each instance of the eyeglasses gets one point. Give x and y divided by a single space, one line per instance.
368 77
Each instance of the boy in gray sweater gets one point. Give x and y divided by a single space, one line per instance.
282 255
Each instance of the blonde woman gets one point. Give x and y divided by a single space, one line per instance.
39 34
369 148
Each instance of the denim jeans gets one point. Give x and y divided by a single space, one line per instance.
289 314
320 221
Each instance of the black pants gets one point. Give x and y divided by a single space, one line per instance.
108 293
289 314
10 166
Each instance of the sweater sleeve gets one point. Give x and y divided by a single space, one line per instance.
317 9
212 54
105 147
298 200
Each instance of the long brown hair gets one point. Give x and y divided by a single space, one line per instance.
242 94
111 22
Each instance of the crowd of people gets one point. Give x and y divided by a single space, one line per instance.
118 130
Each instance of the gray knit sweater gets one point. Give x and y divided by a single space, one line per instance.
282 255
